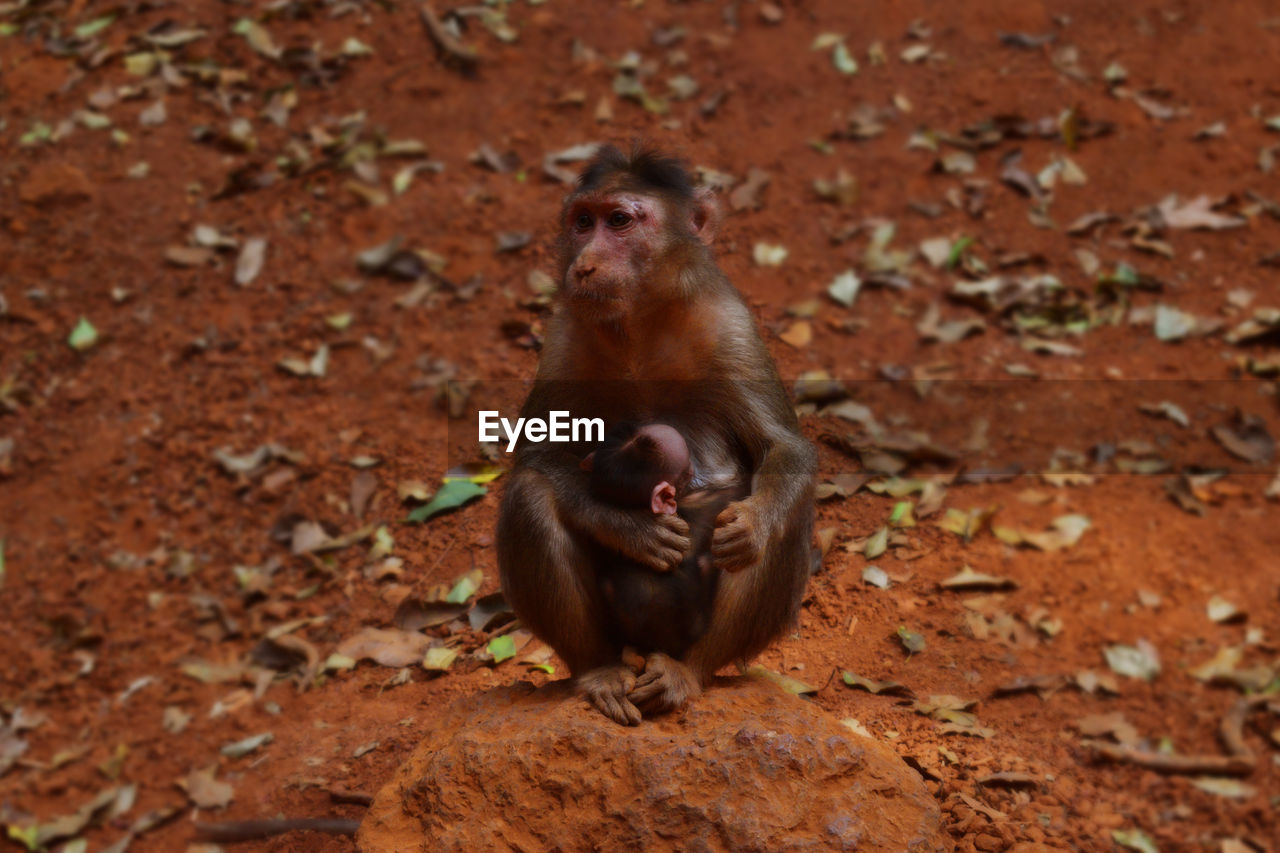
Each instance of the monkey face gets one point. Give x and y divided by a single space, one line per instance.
611 241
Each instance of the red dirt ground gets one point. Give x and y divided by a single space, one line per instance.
125 541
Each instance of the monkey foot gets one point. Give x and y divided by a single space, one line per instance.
606 688
667 684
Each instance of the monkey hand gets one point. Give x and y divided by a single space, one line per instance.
665 685
657 541
739 536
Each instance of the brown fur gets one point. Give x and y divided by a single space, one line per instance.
673 343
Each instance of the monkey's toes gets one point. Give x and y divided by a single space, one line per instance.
606 689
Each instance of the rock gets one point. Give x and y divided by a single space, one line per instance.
746 767
55 181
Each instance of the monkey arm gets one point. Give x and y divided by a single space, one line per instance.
783 465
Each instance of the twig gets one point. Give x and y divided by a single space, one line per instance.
346 795
1232 728
1163 762
1241 761
233 831
464 55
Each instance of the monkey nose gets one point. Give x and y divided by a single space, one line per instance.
585 272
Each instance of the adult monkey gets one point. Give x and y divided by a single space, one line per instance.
647 328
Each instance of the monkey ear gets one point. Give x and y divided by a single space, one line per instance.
663 501
706 215
588 462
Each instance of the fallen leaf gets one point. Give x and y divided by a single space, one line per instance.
799 334
876 545
502 648
1134 839
1221 611
83 336
465 587
241 748
843 60
747 195
1224 787
386 646
1247 438
968 579
1197 213
791 685
911 641
439 658
204 791
251 259
878 688
876 576
451 495
1137 661
1113 724
1166 409
769 254
844 288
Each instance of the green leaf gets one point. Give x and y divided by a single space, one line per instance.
83 336
453 494
26 835
1124 274
7 29
465 587
957 251
39 132
97 25
502 648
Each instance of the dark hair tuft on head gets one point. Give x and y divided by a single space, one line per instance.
644 169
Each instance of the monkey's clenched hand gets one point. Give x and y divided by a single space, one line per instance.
657 541
739 538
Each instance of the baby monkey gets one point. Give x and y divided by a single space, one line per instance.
648 468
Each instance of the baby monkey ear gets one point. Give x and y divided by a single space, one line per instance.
663 501
588 462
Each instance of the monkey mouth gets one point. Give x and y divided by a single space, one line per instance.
599 292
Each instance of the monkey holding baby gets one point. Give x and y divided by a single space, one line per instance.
648 330
648 467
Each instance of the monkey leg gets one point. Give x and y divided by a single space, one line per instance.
548 578
665 685
755 606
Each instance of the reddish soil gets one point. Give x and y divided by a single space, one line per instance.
126 542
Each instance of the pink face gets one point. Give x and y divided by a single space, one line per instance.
613 239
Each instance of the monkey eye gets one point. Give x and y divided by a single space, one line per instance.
618 219
583 222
